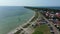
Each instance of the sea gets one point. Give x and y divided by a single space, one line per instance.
13 16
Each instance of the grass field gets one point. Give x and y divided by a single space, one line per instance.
43 29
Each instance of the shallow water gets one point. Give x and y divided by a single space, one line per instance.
13 16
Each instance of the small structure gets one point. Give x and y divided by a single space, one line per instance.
58 15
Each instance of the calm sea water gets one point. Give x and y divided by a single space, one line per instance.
13 16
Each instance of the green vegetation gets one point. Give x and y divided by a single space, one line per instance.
43 29
26 25
36 16
18 32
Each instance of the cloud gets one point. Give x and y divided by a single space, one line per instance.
29 2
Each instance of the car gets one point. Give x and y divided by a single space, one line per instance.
55 25
59 29
51 28
48 25
52 32
34 25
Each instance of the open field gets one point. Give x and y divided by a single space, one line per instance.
43 29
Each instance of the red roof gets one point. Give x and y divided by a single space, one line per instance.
58 15
58 22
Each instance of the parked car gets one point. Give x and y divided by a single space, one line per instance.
49 25
55 25
59 28
51 28
52 32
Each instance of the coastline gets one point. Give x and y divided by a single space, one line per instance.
21 26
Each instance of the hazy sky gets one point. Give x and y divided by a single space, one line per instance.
29 2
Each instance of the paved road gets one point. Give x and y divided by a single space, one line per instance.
54 28
29 29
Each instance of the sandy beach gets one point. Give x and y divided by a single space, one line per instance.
21 26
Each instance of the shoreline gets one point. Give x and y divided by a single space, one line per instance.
21 26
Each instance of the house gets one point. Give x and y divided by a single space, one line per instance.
58 15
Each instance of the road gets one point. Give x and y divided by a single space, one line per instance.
54 28
29 29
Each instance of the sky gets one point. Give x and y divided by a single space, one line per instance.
29 2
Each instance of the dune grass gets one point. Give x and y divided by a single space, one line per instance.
43 29
36 16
